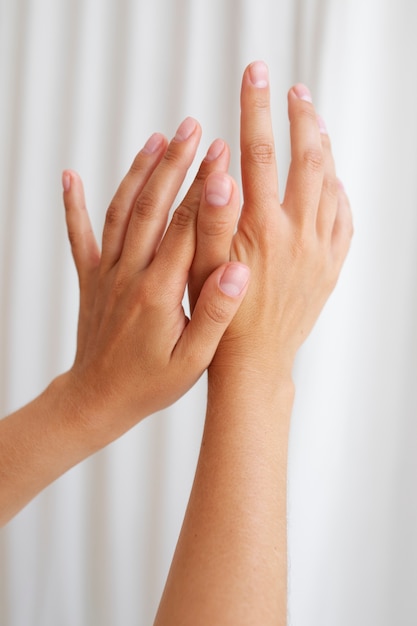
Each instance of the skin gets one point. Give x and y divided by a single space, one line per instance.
230 565
137 352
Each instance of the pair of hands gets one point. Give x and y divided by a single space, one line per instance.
137 352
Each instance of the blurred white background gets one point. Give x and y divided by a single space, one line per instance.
83 83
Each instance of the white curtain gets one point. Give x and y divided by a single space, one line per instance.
83 83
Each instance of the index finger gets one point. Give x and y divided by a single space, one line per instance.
259 170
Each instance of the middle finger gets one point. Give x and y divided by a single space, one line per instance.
150 212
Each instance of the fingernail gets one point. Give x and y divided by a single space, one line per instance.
154 142
234 279
340 184
258 73
215 150
66 181
302 92
185 129
218 189
322 125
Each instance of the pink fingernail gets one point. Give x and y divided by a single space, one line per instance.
218 189
302 92
185 129
322 125
259 74
66 181
215 150
234 279
154 142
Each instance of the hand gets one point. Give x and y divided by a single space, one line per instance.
137 352
296 248
295 251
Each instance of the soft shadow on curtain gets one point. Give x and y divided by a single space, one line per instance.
82 85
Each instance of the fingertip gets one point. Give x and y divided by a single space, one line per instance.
258 74
71 180
215 150
218 189
186 129
234 279
322 125
341 185
154 144
301 92
66 180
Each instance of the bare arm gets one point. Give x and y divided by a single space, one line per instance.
136 351
230 565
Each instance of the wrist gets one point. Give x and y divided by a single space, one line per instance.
250 390
255 368
88 415
71 415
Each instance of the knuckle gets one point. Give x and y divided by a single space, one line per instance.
201 175
211 227
137 164
112 215
267 236
183 216
173 157
313 160
260 153
147 299
217 311
261 101
191 201
148 294
119 285
326 143
302 245
298 248
145 206
114 288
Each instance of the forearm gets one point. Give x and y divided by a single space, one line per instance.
231 559
38 443
230 563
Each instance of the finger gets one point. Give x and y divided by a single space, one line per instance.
83 243
216 159
259 172
342 229
305 176
151 209
119 211
216 306
330 189
216 221
177 250
179 242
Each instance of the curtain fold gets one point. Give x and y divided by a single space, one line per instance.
83 84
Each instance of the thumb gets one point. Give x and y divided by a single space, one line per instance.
217 304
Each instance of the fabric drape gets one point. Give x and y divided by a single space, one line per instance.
83 83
